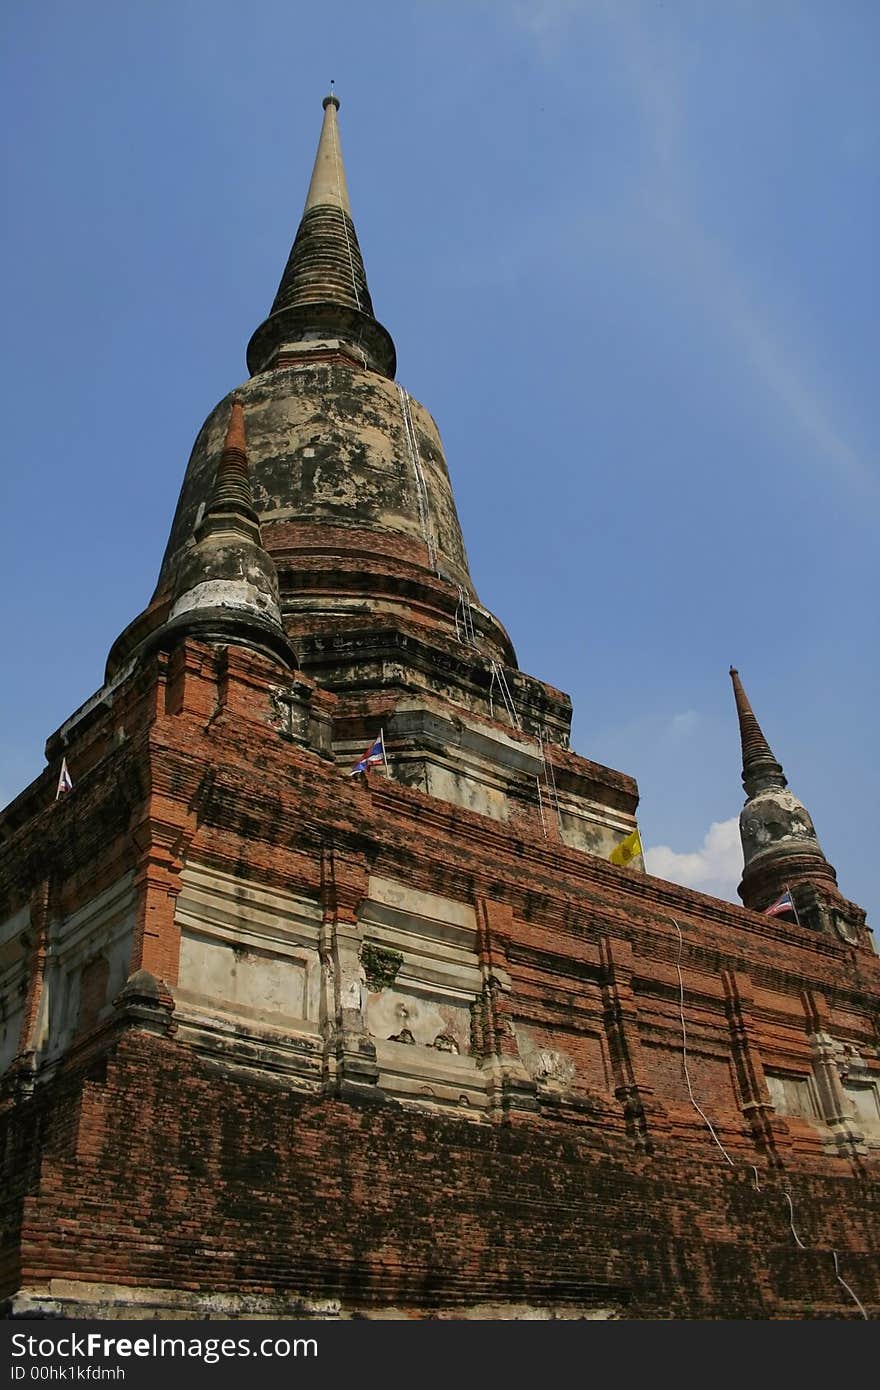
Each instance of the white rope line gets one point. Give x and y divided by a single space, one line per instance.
787 1195
854 1296
421 486
464 620
499 676
550 779
469 616
758 1188
357 297
541 806
687 1076
508 698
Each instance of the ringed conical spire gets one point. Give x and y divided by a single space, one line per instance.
323 294
780 848
226 587
231 505
760 768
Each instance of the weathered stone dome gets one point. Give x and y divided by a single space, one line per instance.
775 819
329 446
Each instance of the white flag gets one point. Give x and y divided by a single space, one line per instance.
65 782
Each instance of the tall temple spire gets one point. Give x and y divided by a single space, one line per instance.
323 294
760 768
345 470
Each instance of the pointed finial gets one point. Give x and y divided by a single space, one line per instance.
760 768
226 585
231 498
235 439
323 292
328 187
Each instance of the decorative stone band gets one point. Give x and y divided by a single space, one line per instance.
234 594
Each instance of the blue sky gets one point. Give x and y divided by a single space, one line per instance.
627 253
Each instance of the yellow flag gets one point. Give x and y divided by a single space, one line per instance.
626 850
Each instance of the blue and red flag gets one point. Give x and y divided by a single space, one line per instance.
374 754
783 904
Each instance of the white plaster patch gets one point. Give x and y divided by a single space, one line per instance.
102 927
462 788
416 903
551 1066
266 983
237 594
352 986
247 946
393 1013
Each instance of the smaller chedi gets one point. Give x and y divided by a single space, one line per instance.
781 852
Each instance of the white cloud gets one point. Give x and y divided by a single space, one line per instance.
716 867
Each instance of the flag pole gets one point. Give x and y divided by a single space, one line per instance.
384 757
793 907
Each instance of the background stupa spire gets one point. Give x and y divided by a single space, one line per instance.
759 767
781 851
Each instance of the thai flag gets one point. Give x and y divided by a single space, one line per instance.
783 904
374 754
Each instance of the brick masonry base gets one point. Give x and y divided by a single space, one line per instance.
159 1181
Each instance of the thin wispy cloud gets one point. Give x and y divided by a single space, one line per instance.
549 21
761 344
723 287
653 64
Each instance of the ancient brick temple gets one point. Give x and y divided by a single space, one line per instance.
281 1039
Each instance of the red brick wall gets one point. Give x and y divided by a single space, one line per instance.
158 1169
165 1173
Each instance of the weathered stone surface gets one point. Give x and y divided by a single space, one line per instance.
282 1041
328 443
